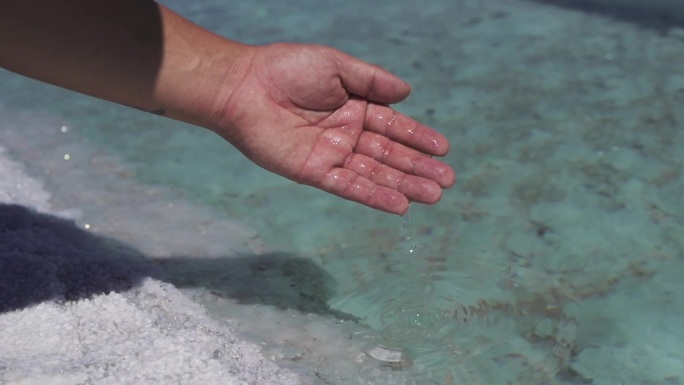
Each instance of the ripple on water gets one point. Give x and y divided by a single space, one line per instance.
487 326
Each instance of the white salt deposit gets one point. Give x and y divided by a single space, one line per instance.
150 335
55 333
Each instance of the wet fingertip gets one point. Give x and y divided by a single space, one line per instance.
443 175
405 88
436 197
428 192
404 209
396 203
448 180
440 173
437 146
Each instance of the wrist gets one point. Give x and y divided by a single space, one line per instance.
199 73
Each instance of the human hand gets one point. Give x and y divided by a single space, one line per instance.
320 117
309 113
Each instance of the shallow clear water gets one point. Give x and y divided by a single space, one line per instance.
557 257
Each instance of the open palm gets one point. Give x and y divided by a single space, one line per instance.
319 117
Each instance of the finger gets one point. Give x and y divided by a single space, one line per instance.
404 159
369 81
350 185
399 127
416 189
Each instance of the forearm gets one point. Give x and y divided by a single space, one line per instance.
132 52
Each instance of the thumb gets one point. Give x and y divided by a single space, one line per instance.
369 81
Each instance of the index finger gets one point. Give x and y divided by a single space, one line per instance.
386 121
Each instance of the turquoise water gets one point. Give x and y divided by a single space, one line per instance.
556 259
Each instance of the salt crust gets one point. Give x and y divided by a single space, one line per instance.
152 334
